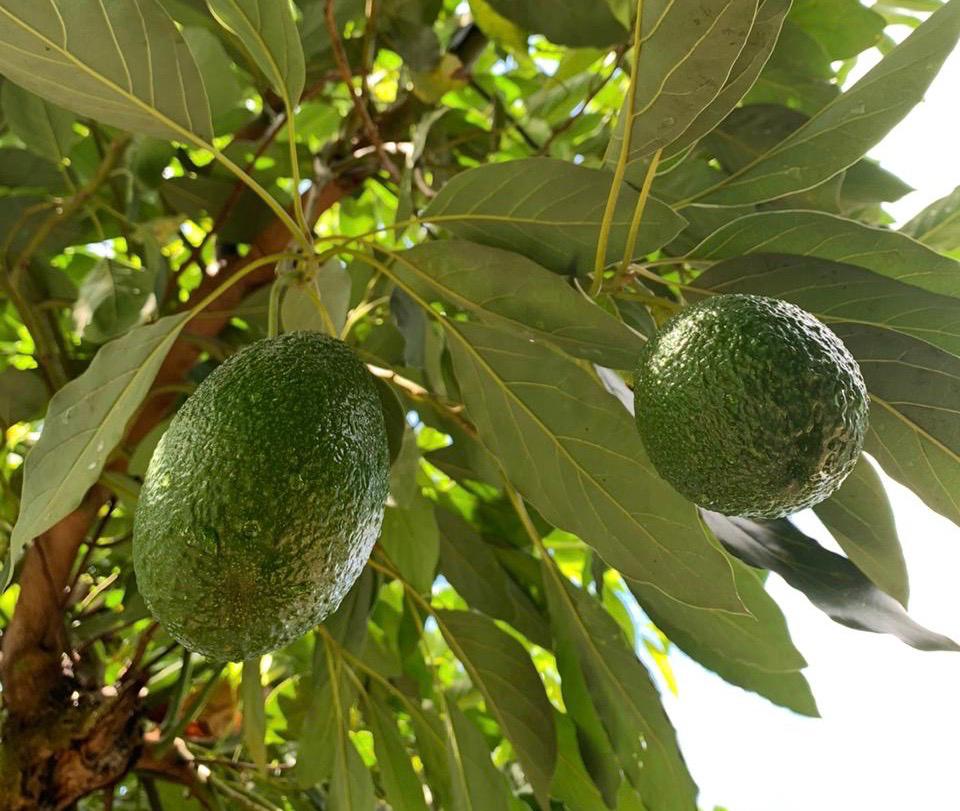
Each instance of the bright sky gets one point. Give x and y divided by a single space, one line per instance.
890 733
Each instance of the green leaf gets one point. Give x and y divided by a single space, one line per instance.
506 289
573 23
753 652
44 128
127 66
472 568
831 582
196 196
411 541
401 786
625 697
756 51
433 747
815 234
846 128
476 785
556 221
331 286
575 454
20 169
23 396
268 32
502 671
843 27
254 717
688 49
914 430
859 516
938 225
85 421
113 299
224 88
393 417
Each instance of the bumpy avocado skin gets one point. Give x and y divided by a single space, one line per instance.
750 406
264 497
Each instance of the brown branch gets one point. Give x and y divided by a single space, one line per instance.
357 96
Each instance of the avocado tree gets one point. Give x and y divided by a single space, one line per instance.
494 204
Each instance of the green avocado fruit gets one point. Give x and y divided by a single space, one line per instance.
750 406
264 497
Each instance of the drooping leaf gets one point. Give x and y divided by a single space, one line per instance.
505 288
575 454
754 652
914 430
837 292
20 169
472 568
411 541
625 697
843 27
556 221
330 286
23 395
938 225
846 128
746 69
568 23
85 421
113 298
44 128
123 63
476 785
831 582
401 785
254 719
433 747
687 50
224 88
269 34
861 519
503 672
816 234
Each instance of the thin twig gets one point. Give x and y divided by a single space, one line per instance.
356 96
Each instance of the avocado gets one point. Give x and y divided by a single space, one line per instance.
750 406
264 497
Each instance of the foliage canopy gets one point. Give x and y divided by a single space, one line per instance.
495 203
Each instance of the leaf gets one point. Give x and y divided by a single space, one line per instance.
556 221
815 234
196 196
625 697
410 538
433 747
268 32
85 421
506 289
113 299
331 286
575 454
687 50
502 671
127 66
831 582
472 568
914 430
393 417
836 292
843 27
753 652
846 128
859 516
20 169
401 786
254 717
573 23
23 396
938 225
225 91
476 785
756 51
44 128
